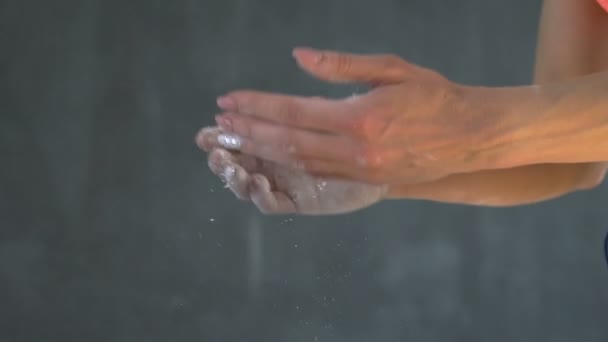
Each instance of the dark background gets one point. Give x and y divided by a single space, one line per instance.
113 229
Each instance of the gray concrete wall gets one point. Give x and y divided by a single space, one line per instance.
113 229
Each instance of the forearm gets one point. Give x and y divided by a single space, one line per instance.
501 184
565 122
506 187
564 52
563 119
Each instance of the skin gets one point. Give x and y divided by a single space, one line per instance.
275 189
564 52
362 139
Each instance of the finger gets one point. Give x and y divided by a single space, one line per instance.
348 162
205 138
281 156
257 151
242 151
268 201
210 138
295 144
342 67
332 170
333 116
223 164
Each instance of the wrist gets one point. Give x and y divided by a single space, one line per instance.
510 116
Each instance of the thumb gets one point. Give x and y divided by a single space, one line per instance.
341 67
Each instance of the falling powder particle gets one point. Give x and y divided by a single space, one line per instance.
211 220
295 246
321 185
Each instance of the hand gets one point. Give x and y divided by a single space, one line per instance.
413 126
279 190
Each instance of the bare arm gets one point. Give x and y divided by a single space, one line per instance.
567 119
572 42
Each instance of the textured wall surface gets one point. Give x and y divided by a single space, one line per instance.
113 229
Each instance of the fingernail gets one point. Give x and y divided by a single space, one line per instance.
308 55
226 103
230 141
229 172
224 122
202 137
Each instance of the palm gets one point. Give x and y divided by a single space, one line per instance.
287 190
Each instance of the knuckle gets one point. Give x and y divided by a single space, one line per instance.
342 63
364 127
372 158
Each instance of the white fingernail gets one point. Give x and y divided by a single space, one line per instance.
230 141
229 172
